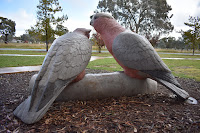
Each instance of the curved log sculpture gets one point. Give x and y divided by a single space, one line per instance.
98 86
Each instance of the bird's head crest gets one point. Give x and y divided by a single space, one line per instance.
98 15
83 31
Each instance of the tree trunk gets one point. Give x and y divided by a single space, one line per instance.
193 48
46 39
99 49
193 51
6 38
136 28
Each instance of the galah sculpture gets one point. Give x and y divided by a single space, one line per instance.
64 63
135 54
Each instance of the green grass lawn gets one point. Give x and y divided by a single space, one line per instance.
185 68
178 56
180 68
101 54
108 64
23 46
15 61
93 54
176 51
23 52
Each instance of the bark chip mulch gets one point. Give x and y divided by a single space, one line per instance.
159 112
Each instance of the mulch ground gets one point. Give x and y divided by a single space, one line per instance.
159 112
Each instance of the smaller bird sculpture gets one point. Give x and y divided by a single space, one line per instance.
65 63
135 54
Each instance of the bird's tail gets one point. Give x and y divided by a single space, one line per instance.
175 89
169 81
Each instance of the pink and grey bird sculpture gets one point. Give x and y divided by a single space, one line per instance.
135 54
64 63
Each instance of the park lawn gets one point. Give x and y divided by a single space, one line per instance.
15 61
105 54
96 48
108 64
23 52
185 68
176 51
178 56
35 46
23 46
180 68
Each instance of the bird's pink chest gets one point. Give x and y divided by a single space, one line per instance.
108 40
129 71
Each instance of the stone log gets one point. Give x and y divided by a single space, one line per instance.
103 85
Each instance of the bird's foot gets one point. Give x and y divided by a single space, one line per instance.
191 100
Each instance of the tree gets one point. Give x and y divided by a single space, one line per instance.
96 38
142 16
192 36
46 19
171 42
153 39
7 27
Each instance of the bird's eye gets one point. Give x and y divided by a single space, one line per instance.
95 17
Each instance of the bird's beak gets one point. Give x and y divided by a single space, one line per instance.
91 22
88 33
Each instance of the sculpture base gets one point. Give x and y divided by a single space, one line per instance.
98 86
103 85
92 86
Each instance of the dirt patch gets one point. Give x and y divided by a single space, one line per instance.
159 112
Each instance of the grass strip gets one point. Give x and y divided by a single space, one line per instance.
180 68
108 64
178 56
176 51
23 52
15 61
23 46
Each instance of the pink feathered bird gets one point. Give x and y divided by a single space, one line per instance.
135 54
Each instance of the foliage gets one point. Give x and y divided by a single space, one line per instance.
26 38
46 19
147 17
192 36
153 39
171 42
96 38
7 27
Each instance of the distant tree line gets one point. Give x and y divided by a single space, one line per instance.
150 18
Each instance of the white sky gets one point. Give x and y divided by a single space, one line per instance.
23 12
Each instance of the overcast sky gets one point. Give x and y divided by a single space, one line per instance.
23 12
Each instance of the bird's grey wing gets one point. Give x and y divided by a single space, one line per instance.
68 57
136 52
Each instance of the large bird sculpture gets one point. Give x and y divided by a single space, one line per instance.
64 63
135 54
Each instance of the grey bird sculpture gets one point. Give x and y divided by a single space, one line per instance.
135 54
64 63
